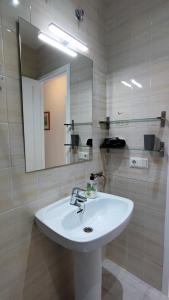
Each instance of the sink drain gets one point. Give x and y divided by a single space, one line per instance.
88 229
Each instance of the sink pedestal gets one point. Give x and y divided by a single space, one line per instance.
88 275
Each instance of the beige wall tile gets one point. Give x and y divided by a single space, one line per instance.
1 52
5 190
5 160
16 144
152 274
3 102
135 264
117 253
10 53
155 256
13 100
24 186
154 225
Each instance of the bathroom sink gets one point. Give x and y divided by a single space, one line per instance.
104 218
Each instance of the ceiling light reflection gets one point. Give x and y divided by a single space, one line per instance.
126 84
139 85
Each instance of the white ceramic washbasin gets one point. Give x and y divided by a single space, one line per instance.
107 215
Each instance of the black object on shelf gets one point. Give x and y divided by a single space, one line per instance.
160 149
149 142
89 143
114 143
75 140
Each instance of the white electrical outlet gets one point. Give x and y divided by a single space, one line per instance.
83 155
138 162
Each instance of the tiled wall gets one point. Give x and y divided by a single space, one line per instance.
137 45
31 266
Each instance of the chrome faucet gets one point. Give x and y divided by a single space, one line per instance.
77 199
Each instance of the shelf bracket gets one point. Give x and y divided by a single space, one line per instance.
72 125
163 118
106 123
162 149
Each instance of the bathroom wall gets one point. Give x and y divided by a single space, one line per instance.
137 43
31 266
137 46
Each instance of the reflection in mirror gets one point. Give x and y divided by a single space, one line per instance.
57 103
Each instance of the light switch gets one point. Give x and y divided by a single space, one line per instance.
139 162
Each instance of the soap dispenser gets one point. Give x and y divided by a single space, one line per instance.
91 189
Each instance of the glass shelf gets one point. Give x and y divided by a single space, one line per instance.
79 146
160 151
73 124
161 119
84 146
129 149
84 124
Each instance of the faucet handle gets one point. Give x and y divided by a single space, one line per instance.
76 198
80 198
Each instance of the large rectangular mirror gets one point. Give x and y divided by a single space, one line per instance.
57 102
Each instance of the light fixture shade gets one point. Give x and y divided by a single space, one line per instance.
48 40
67 38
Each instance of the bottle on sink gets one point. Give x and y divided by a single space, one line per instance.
91 188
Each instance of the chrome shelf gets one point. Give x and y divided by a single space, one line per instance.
79 146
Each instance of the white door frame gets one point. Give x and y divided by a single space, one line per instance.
51 75
33 124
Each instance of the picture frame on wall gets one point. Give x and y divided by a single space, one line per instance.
47 120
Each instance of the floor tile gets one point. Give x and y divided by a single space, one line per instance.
119 284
